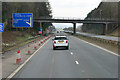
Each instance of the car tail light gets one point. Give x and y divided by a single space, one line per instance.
66 41
55 42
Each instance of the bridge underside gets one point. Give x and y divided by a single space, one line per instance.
75 21
106 22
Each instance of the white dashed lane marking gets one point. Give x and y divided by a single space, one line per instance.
76 62
71 53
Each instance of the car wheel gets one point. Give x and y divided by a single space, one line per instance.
67 47
53 48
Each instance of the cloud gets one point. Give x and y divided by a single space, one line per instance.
73 8
24 0
80 13
61 25
110 0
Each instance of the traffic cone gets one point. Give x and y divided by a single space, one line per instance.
39 40
28 45
18 60
39 44
28 50
44 41
35 47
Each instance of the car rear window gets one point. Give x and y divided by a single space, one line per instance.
60 38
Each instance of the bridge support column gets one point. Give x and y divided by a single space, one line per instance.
103 33
106 28
74 28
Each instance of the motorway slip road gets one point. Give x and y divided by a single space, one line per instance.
97 36
81 61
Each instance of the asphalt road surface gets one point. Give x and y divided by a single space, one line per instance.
97 36
80 61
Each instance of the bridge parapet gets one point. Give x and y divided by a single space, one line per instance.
101 19
77 18
66 18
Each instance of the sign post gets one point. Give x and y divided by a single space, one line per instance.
40 32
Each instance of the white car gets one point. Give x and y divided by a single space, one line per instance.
60 41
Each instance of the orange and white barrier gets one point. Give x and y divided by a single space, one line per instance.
39 43
18 59
35 47
28 49
42 41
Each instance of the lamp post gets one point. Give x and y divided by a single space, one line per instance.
37 9
100 14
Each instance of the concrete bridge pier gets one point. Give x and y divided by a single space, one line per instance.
74 28
106 28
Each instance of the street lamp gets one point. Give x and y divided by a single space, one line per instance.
37 9
100 14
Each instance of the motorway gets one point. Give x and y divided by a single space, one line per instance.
97 36
82 60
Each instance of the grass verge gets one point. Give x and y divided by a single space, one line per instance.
21 41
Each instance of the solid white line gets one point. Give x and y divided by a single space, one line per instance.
22 65
76 62
98 46
71 53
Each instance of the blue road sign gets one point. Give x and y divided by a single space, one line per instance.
40 29
22 20
1 27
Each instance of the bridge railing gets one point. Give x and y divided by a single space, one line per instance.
68 18
76 18
100 19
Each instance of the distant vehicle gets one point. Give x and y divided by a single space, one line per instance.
57 31
61 31
60 41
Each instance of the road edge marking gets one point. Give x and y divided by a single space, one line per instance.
97 46
22 65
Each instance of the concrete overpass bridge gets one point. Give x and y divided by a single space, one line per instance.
74 21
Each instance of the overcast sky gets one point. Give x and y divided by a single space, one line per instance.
72 8
69 8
